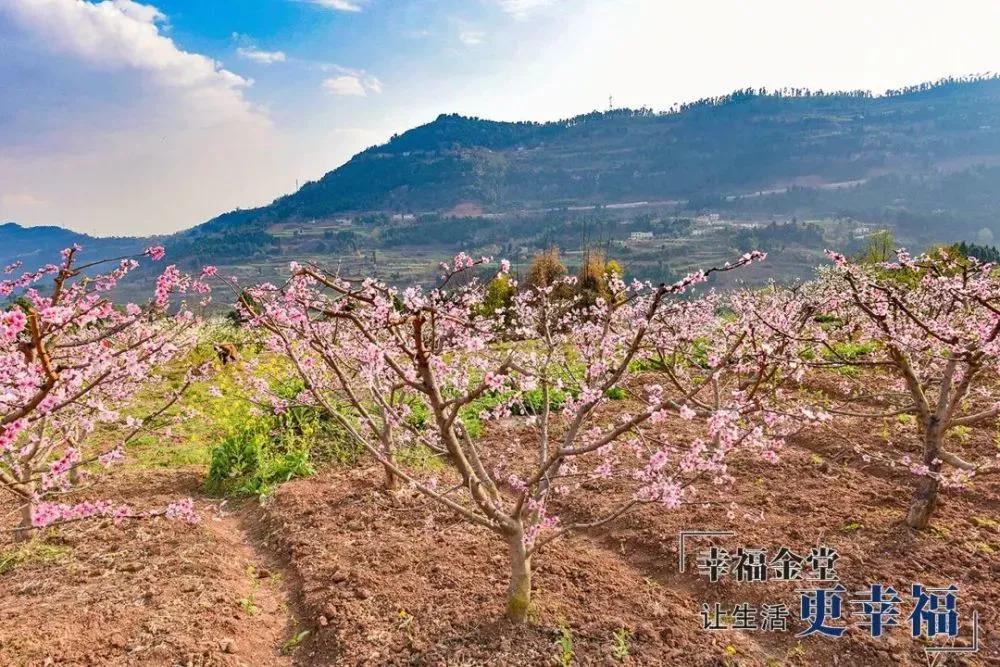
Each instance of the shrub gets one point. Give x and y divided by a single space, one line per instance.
531 402
263 452
499 295
546 269
849 350
592 281
250 461
616 393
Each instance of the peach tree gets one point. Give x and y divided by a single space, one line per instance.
919 338
70 360
374 356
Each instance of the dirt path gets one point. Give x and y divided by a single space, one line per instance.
151 592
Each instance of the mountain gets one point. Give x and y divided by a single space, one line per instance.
788 171
707 152
37 246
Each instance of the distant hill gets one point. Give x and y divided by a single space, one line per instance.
37 246
903 146
789 171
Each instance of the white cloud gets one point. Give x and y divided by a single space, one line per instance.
471 37
351 82
22 200
340 5
118 35
120 130
140 12
562 67
260 56
352 85
521 9
345 85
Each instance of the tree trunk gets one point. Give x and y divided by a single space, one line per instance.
391 482
519 590
923 504
925 499
23 533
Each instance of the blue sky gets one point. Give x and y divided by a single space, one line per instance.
127 117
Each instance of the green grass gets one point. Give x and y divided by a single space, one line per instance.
33 551
246 451
984 547
420 415
616 394
207 411
294 642
647 364
565 646
151 451
961 433
419 457
252 460
620 643
828 319
850 351
531 401
249 603
843 354
470 413
694 356
985 522
939 532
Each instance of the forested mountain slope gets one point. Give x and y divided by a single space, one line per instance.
738 144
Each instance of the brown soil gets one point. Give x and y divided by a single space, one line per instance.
393 580
152 592
383 579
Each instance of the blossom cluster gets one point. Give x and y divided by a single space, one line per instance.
46 513
182 510
369 352
927 329
69 359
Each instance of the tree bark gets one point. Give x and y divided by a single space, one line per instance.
391 482
519 590
23 533
923 504
925 499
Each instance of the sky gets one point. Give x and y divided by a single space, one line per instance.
120 117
